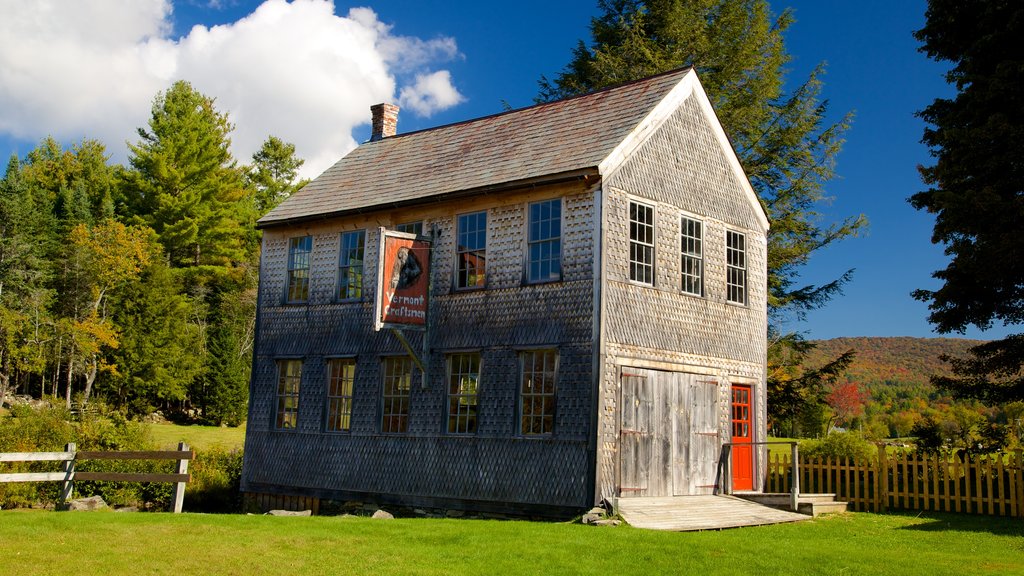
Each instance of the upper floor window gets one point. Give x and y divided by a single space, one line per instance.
471 251
463 391
350 265
298 268
537 372
692 249
341 373
545 241
289 376
397 382
735 267
641 243
411 228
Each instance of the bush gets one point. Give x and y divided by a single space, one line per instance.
849 445
215 472
214 487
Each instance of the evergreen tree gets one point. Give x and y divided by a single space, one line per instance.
156 360
783 141
975 188
184 184
272 175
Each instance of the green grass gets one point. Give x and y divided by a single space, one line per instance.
166 436
37 542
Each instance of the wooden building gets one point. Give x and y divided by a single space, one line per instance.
596 325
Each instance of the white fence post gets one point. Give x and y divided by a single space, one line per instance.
794 497
179 487
68 467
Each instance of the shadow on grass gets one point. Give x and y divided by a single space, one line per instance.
946 522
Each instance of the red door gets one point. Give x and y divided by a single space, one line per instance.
742 454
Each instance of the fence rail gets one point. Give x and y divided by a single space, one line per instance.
990 485
70 457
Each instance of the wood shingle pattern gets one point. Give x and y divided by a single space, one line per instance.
539 141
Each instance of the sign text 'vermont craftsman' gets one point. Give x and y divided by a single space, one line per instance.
404 279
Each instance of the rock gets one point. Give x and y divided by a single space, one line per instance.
597 510
590 517
608 522
89 504
126 509
454 513
290 513
382 515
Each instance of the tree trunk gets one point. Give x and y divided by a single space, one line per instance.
67 390
5 382
90 377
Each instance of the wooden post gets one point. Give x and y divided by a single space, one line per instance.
1019 473
794 496
68 467
179 487
883 479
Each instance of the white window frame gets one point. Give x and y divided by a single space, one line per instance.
735 267
638 244
691 261
552 241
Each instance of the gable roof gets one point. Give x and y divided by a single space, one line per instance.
575 137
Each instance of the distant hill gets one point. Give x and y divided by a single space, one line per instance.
888 361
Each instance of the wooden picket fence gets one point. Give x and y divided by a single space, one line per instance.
991 485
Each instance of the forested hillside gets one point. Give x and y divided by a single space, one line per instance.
896 361
885 391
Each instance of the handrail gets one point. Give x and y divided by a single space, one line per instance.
725 468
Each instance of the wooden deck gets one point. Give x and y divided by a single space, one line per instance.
689 513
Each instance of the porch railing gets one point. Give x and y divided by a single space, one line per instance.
723 481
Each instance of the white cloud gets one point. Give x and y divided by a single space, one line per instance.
90 68
430 93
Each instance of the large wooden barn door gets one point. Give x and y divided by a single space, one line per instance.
705 441
668 437
635 437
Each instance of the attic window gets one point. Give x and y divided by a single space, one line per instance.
735 267
691 265
641 243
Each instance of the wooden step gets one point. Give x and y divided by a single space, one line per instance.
819 508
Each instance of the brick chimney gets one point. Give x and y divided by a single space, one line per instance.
385 121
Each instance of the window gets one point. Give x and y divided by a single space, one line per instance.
692 264
289 376
735 267
641 243
341 374
397 381
411 228
471 252
298 268
463 390
545 241
537 386
350 265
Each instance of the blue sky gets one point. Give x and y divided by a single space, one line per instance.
308 71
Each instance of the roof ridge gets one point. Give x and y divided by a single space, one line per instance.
681 71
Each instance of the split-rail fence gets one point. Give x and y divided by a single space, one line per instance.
68 473
991 485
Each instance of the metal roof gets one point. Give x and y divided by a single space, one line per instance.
547 140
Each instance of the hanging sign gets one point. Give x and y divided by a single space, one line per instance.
403 279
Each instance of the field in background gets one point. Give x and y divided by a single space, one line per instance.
198 437
855 543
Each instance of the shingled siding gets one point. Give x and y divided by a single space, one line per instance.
680 171
496 467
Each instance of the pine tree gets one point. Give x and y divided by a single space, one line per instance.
975 190
272 175
184 183
784 143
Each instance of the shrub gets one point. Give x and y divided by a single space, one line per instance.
214 486
849 445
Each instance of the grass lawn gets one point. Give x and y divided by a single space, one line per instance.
167 436
105 543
